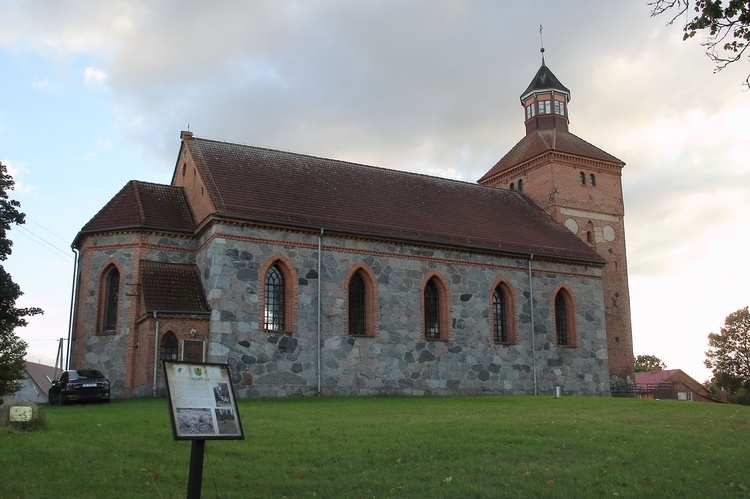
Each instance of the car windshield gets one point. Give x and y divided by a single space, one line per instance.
86 373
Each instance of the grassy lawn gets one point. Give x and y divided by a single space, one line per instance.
392 447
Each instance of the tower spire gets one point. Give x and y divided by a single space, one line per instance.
541 42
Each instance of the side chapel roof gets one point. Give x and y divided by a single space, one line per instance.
279 187
143 205
161 281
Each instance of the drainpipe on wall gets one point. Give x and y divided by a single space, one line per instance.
156 348
320 339
533 333
72 307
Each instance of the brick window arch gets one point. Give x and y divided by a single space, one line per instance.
278 295
565 324
503 316
168 346
109 299
361 288
435 308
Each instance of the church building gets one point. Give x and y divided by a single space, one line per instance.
313 276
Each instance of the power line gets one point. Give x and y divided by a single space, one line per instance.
46 244
47 230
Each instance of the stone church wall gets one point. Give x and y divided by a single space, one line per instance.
398 360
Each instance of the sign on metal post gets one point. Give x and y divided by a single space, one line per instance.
202 406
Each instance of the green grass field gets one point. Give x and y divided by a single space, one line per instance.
392 447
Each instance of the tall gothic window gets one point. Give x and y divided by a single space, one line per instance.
564 319
274 304
500 311
431 311
111 299
168 346
357 306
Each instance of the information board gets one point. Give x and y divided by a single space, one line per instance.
202 405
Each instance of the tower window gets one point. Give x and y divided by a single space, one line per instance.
583 178
544 107
560 108
520 185
512 186
530 111
592 180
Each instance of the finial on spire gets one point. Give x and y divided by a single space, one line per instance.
541 41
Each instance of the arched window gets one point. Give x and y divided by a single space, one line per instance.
435 308
275 297
520 185
582 176
564 319
431 311
592 180
111 298
168 346
357 306
512 186
503 322
361 294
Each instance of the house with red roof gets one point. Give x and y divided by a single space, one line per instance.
672 384
315 276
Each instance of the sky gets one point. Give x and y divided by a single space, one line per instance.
95 94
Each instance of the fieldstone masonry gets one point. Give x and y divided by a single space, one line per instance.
398 360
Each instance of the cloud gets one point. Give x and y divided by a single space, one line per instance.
42 84
92 76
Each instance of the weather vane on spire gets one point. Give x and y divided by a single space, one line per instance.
541 42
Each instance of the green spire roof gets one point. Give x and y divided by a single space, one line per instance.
544 80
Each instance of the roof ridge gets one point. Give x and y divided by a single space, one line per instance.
138 202
335 160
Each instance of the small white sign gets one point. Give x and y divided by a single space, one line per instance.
20 414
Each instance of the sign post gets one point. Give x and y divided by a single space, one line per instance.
202 406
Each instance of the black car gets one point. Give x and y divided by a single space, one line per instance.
79 384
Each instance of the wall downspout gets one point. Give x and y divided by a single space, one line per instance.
156 349
320 339
72 307
533 333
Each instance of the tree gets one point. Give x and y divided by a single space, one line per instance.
645 363
727 25
728 355
12 348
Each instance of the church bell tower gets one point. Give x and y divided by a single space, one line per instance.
579 185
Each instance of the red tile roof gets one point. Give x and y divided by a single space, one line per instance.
655 377
161 281
282 187
144 205
542 141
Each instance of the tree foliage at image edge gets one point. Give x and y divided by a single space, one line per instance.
12 348
728 356
727 26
